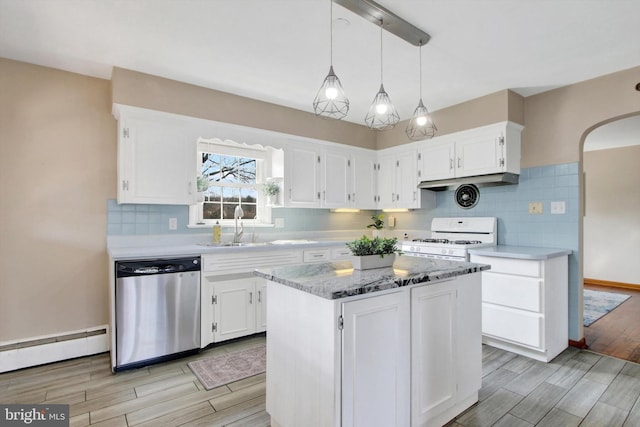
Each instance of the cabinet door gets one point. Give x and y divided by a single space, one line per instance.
375 361
261 304
479 155
437 160
157 163
363 180
407 180
336 179
234 308
302 168
386 181
433 350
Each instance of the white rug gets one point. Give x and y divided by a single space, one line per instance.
598 303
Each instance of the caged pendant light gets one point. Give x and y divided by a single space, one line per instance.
382 114
331 101
421 125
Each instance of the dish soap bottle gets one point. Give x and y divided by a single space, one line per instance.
217 233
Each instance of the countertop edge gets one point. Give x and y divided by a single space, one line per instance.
388 279
521 252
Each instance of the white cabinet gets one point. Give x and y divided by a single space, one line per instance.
302 177
445 317
156 158
363 180
234 308
318 176
485 150
398 181
525 305
233 299
375 361
410 356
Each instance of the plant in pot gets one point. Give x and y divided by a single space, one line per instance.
377 225
373 253
271 189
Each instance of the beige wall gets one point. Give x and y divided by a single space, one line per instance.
57 170
556 121
156 93
612 219
496 107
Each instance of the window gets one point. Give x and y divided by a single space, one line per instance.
231 183
230 175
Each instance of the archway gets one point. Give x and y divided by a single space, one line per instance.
610 232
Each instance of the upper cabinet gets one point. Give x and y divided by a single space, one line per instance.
156 158
318 176
398 181
481 151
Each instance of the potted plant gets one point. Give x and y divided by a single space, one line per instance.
377 225
271 189
373 253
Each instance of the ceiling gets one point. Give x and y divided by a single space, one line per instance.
278 50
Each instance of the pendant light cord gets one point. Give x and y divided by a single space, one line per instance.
420 69
381 52
331 32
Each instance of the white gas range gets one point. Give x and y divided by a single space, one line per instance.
452 237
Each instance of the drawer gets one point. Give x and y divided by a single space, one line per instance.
221 264
525 293
520 327
520 267
316 255
341 253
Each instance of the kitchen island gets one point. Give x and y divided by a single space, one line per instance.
385 347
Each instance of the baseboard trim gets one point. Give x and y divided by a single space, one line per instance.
581 344
621 285
53 348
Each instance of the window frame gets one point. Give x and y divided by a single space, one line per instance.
235 149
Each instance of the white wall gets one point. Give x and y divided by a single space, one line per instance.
612 215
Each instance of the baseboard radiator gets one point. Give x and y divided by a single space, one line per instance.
53 348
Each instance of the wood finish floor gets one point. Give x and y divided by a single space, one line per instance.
579 387
617 334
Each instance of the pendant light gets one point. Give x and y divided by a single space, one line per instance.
421 125
331 101
382 114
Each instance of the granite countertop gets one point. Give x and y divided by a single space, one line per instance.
339 280
520 252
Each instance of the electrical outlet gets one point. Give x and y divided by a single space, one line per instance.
535 208
279 222
559 208
173 223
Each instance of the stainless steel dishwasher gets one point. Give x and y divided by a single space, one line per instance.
157 310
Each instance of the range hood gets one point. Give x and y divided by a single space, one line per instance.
479 180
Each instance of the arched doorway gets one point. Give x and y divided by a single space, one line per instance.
611 235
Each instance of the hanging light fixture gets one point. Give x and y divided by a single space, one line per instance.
382 114
331 101
421 125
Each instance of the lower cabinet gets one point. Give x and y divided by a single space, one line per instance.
525 305
238 308
408 357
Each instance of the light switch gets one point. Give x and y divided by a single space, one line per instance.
559 207
173 223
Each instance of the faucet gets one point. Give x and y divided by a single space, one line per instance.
237 214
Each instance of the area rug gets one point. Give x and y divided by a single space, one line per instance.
598 303
226 368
